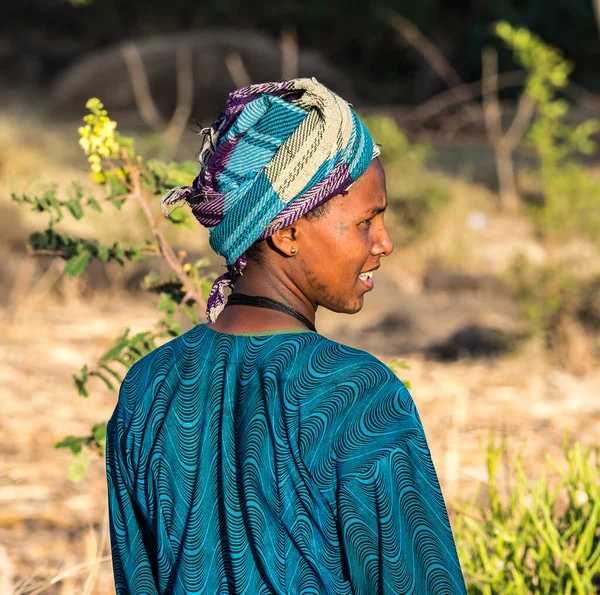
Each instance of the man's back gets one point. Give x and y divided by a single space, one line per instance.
276 464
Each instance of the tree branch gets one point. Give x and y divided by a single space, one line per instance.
449 98
237 71
503 144
289 55
491 105
185 94
147 251
141 87
525 112
164 246
430 52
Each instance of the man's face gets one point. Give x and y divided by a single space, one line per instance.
348 241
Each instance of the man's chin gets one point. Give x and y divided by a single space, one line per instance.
349 305
353 307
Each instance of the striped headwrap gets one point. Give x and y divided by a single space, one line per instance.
278 151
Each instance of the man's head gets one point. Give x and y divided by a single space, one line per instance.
279 152
326 253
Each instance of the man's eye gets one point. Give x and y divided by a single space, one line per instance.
367 222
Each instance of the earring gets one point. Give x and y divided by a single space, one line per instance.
293 250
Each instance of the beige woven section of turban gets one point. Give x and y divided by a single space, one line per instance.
324 132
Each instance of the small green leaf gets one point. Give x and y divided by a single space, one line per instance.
94 205
99 434
81 381
78 466
399 364
104 379
74 207
182 218
139 337
76 264
75 443
114 351
114 374
166 304
103 253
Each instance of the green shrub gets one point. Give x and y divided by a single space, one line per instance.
544 540
571 194
545 294
571 205
396 150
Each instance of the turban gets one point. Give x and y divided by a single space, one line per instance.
278 151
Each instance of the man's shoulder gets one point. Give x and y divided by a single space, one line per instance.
163 358
145 377
340 357
355 409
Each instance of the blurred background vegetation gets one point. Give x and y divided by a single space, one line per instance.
47 35
489 309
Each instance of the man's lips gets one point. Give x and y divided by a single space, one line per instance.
367 277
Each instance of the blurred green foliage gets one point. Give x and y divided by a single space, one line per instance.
542 538
571 207
546 294
396 150
570 193
395 365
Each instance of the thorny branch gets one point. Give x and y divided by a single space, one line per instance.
165 248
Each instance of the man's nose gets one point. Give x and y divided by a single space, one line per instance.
385 244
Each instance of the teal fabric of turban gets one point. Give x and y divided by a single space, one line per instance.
278 151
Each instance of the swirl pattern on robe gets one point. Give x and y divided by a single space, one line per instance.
283 464
278 151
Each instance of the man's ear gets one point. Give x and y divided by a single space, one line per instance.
283 240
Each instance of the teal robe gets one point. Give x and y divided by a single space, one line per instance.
273 464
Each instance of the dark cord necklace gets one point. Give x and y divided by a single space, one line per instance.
241 299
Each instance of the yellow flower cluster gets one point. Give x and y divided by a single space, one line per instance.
97 137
